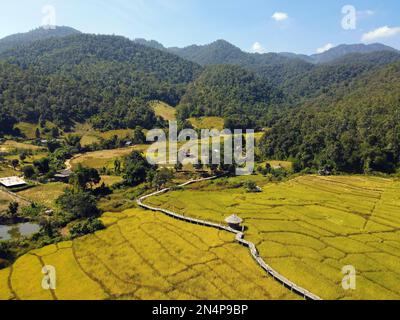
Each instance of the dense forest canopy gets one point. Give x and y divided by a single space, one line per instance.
356 130
85 77
226 91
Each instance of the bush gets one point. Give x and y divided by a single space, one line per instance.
251 187
86 227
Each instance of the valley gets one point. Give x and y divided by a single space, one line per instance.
324 196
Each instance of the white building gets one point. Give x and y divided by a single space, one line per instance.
12 182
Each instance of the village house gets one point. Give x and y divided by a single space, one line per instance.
12 182
63 176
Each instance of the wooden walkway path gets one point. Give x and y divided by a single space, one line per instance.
239 238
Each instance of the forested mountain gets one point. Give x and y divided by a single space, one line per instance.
303 83
355 130
340 112
345 49
150 43
223 52
231 92
35 35
107 79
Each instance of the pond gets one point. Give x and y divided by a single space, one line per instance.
18 230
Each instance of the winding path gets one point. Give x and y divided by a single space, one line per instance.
239 238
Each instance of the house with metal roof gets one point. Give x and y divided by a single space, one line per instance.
12 182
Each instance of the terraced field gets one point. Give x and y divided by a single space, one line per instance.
45 194
309 228
164 110
103 158
143 255
207 123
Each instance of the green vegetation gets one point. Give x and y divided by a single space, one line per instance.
309 228
231 92
357 130
113 89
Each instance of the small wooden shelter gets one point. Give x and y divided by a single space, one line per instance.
234 222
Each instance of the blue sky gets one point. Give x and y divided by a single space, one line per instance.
301 26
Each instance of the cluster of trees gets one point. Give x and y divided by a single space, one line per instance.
355 130
80 201
231 92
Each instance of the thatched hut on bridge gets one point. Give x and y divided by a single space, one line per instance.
234 222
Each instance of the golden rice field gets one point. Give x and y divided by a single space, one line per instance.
164 110
11 145
90 135
103 158
143 255
207 123
309 228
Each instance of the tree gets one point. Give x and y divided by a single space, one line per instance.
162 177
178 166
7 121
15 163
42 165
138 136
79 203
55 132
37 133
83 177
53 145
13 209
73 140
136 169
117 166
29 172
23 155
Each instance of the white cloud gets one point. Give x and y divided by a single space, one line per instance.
383 32
326 47
257 48
280 16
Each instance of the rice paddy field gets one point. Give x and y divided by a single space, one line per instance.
45 194
11 145
103 158
309 228
164 110
207 123
90 135
143 255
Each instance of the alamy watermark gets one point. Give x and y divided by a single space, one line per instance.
210 147
49 281
49 20
349 281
